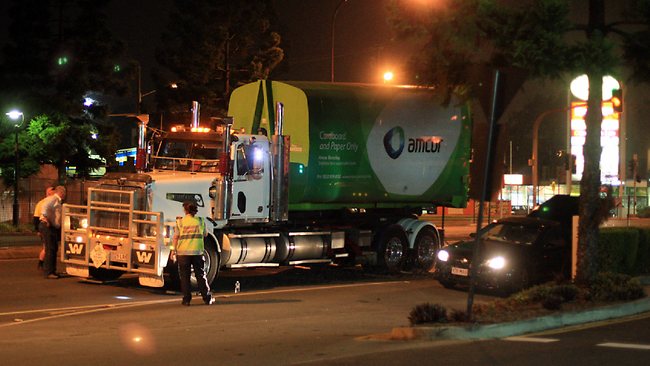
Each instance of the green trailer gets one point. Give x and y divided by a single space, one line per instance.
363 145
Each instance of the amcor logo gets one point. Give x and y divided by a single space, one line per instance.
430 145
394 142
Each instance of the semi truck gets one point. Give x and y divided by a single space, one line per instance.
298 173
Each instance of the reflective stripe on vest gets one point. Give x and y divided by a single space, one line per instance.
190 239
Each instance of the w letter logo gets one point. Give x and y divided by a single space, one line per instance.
75 248
144 257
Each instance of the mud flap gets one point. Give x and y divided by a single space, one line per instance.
77 270
151 280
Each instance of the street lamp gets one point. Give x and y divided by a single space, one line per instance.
388 77
142 95
15 114
336 11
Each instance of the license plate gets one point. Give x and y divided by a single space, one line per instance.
118 257
460 271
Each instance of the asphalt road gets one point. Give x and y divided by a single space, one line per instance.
624 342
311 317
291 317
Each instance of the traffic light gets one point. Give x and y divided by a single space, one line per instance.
573 164
617 100
632 165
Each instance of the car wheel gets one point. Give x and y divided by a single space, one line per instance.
425 248
103 274
390 248
447 284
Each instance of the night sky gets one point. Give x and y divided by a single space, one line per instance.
364 47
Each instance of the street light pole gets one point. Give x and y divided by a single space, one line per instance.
534 160
15 115
336 11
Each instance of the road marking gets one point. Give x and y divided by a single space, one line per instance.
531 339
86 309
597 324
625 345
316 288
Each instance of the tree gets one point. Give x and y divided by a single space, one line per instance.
59 52
541 37
210 47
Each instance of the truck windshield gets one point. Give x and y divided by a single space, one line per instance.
186 155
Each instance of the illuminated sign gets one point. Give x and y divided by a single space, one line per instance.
513 179
609 130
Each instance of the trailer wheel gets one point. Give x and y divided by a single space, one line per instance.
104 274
425 247
391 247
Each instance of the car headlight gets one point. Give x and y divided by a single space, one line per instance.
443 255
496 262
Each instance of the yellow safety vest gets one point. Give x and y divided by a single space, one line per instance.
190 235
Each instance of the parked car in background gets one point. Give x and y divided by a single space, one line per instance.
515 253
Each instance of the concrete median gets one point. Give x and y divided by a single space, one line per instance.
18 246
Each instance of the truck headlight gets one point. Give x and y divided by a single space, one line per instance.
258 155
496 262
443 255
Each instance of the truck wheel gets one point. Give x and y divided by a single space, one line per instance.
104 274
391 247
425 248
211 262
210 267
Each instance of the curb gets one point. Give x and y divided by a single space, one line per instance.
473 332
22 252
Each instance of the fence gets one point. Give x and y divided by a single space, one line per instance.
31 190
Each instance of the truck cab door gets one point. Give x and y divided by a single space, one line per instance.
251 180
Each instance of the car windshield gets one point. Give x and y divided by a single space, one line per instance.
513 233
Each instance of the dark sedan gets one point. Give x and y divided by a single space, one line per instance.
514 253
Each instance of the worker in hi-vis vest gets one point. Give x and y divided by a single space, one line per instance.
188 244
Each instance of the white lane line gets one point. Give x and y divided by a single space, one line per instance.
84 307
304 289
531 339
625 345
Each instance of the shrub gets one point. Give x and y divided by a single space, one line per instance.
567 292
7 227
428 313
533 294
552 302
643 256
550 295
458 316
618 249
609 286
